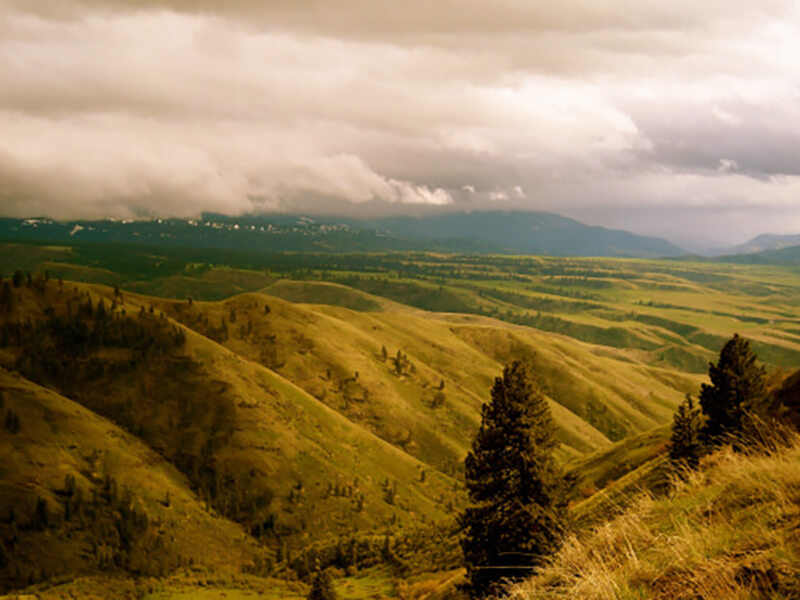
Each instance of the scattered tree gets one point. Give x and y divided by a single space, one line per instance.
321 586
12 422
686 447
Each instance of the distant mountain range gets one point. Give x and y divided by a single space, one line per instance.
760 243
512 232
789 255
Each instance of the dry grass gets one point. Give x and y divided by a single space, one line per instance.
729 531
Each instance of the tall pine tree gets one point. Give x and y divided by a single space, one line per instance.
686 446
738 390
517 492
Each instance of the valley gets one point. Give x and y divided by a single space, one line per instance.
197 423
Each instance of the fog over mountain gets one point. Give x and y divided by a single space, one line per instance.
679 121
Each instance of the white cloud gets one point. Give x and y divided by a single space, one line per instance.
125 108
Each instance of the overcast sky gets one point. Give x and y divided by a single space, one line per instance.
679 118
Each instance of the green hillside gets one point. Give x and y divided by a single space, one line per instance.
320 409
80 496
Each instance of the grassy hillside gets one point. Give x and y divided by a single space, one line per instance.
321 408
427 404
601 468
728 531
78 495
672 313
256 447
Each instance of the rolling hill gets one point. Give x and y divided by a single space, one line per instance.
274 421
321 409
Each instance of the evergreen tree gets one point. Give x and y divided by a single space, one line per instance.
686 446
321 586
737 389
12 422
517 492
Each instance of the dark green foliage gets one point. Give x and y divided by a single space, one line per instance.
518 509
438 399
40 518
402 365
18 278
12 422
737 391
786 401
322 587
686 447
6 297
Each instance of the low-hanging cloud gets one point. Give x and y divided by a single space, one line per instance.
613 113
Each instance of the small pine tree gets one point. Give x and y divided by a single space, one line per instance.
321 586
18 278
12 422
738 389
518 495
686 446
384 354
40 519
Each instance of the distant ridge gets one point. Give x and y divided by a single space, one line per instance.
500 232
789 255
531 233
761 243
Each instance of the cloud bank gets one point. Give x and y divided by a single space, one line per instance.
679 120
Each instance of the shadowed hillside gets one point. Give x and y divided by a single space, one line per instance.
81 496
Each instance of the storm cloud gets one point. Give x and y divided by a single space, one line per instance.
678 119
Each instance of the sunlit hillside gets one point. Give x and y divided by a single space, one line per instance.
325 418
728 531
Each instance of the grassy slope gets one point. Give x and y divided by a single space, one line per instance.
60 438
729 531
675 313
335 354
284 440
603 467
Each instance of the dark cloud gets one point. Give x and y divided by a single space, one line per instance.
655 117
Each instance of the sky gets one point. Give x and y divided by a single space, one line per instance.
679 119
